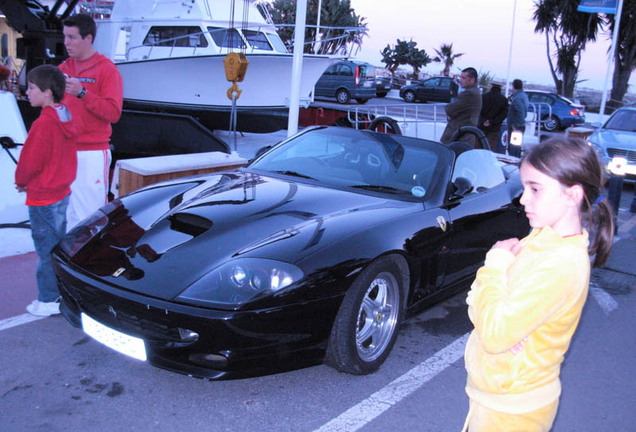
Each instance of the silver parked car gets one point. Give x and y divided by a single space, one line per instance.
615 141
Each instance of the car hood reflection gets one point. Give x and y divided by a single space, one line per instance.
257 216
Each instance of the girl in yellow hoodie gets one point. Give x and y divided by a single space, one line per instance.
527 299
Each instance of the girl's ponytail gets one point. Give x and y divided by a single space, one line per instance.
602 223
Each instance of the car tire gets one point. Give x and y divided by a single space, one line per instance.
343 96
385 125
367 323
409 96
551 124
342 121
362 101
381 94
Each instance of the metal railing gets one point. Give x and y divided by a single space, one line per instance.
409 116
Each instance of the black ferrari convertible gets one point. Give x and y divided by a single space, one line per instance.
315 251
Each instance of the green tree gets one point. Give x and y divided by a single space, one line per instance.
625 53
339 24
417 59
446 55
569 30
390 59
404 53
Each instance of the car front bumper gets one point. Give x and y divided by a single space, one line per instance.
572 121
228 344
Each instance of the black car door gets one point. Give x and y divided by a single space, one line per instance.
443 90
481 217
427 90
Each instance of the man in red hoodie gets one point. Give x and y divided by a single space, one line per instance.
94 94
45 171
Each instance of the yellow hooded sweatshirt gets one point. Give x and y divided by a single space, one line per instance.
534 298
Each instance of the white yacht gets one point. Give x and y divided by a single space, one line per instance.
171 52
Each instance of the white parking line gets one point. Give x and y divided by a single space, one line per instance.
604 299
362 413
18 320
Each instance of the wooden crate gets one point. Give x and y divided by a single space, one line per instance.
132 174
579 132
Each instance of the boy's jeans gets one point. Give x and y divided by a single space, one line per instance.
48 226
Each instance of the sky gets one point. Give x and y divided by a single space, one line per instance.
482 30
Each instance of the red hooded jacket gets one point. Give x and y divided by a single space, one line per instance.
102 103
48 161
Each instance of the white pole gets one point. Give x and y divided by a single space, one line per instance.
297 67
318 38
617 27
512 36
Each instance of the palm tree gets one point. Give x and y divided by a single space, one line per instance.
445 54
569 30
625 55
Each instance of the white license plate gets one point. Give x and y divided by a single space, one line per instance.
120 342
367 84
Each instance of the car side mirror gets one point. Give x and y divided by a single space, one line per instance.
461 187
261 151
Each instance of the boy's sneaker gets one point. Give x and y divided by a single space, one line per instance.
44 309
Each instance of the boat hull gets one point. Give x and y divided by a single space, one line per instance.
200 81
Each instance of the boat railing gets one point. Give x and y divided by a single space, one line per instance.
172 43
334 41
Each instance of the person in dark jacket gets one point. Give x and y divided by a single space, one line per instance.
454 89
463 111
517 113
494 109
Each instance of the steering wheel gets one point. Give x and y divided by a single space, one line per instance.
352 157
473 131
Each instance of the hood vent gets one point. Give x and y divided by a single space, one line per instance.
190 224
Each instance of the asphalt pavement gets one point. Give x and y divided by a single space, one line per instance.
54 378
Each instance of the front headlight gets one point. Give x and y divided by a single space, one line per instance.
600 152
618 166
240 281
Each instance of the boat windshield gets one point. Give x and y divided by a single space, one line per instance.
176 36
226 37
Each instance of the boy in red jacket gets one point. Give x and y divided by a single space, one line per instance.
45 171
94 94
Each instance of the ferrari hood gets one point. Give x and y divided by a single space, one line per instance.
243 215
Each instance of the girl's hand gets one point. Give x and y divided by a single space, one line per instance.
511 244
518 348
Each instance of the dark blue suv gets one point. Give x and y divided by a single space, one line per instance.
347 80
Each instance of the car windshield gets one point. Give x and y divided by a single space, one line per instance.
623 120
371 162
